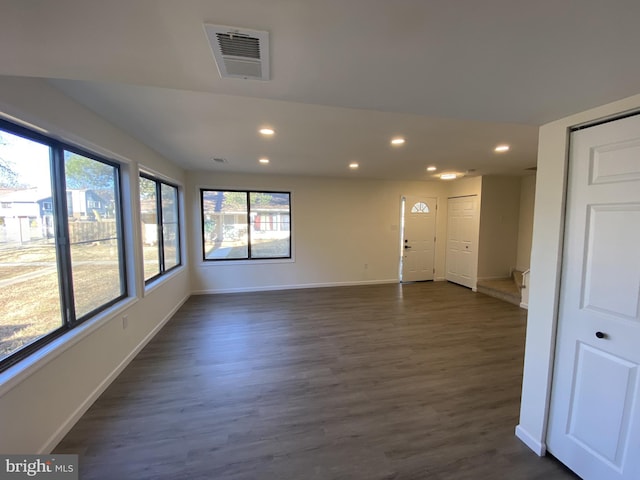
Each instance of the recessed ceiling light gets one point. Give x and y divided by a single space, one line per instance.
264 161
353 165
397 141
501 148
431 169
448 176
267 131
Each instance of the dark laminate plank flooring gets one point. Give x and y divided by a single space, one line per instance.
419 381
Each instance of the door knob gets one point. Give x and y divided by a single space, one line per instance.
601 335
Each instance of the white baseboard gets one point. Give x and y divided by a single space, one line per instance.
68 424
440 279
525 437
292 287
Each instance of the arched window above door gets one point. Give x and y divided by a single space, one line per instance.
420 207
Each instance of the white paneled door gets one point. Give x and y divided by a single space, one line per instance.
594 423
462 239
418 243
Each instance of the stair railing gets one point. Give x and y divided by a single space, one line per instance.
524 292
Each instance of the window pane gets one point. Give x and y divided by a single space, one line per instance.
170 226
96 274
420 207
149 221
270 225
225 225
30 300
93 232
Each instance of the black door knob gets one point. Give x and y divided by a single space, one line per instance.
601 335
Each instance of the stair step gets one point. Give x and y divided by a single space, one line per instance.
503 289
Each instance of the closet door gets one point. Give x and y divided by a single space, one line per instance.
594 424
462 240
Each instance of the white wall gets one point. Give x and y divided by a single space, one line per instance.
465 186
339 225
525 227
546 257
498 237
43 396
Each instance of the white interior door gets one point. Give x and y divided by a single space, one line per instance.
462 240
418 244
594 422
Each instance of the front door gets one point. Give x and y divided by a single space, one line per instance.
462 239
419 236
594 420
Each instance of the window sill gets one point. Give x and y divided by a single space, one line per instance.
230 263
22 370
151 286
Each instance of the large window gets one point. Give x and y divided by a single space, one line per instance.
61 248
159 215
245 225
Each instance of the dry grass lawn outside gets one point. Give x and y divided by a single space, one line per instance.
151 261
30 296
30 299
151 257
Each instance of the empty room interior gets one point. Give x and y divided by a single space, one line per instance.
350 239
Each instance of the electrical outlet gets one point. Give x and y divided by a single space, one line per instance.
125 322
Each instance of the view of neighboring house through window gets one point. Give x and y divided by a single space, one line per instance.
92 187
61 252
159 215
30 299
245 225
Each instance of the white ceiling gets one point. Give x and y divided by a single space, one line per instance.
455 77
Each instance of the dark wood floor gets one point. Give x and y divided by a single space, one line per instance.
420 381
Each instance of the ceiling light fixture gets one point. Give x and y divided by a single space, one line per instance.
501 148
267 131
353 165
264 161
431 169
448 176
397 141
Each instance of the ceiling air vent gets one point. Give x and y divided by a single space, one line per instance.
239 53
